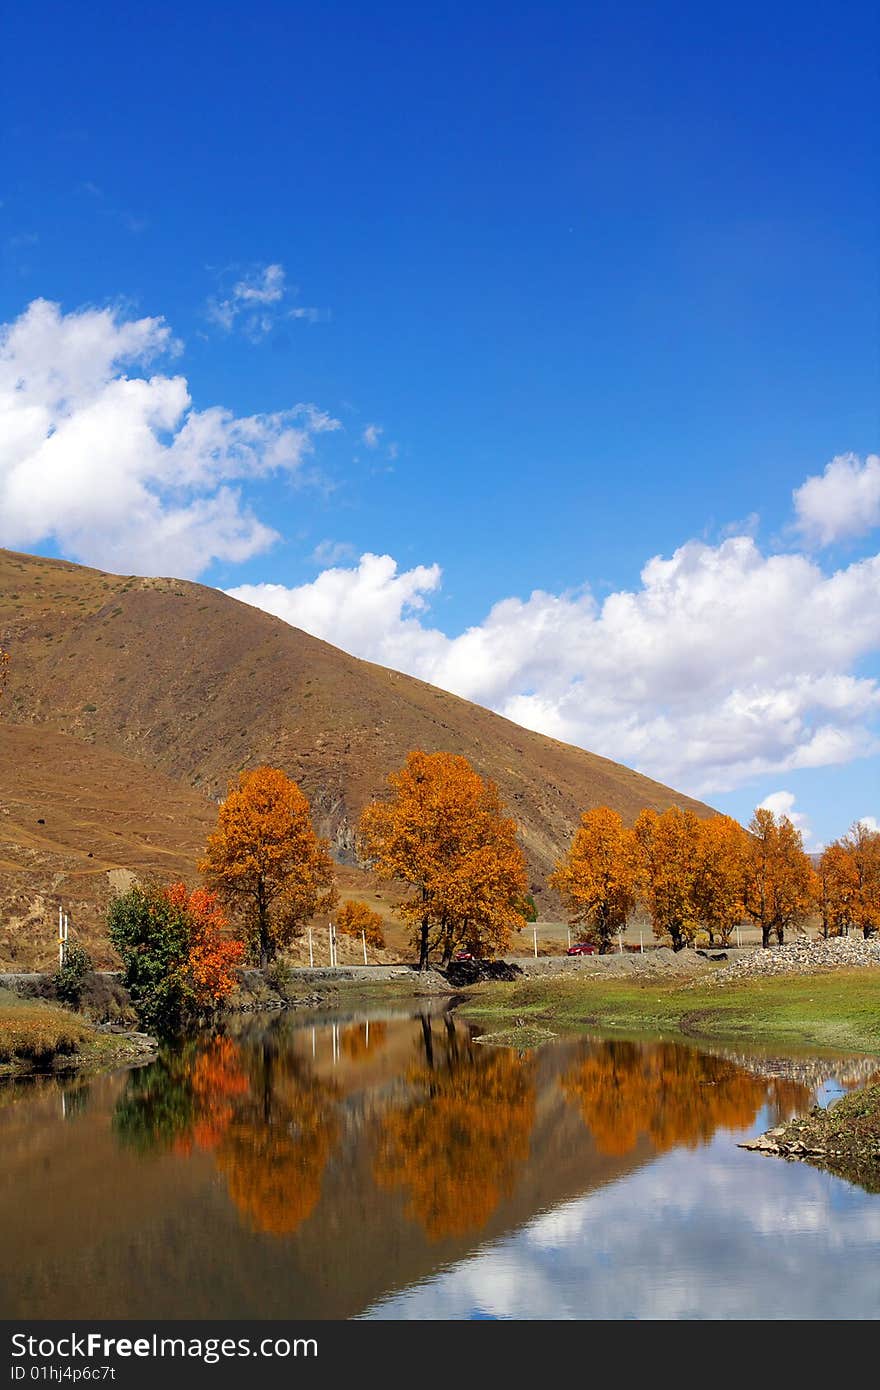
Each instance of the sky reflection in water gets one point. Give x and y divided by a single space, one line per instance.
396 1168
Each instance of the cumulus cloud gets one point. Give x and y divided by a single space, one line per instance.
343 605
120 469
842 502
782 803
256 301
724 664
371 436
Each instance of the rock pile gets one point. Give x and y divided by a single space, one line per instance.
803 957
470 972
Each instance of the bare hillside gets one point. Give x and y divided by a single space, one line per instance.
137 699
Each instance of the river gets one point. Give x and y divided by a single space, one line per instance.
392 1166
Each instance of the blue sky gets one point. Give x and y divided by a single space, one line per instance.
568 288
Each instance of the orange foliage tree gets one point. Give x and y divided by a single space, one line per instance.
838 886
597 879
719 871
354 917
862 847
668 845
780 887
444 834
457 1146
265 861
213 954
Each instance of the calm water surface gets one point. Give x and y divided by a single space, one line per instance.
394 1167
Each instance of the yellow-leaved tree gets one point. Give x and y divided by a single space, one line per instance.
443 834
719 871
597 879
355 917
780 886
265 862
838 888
668 846
862 847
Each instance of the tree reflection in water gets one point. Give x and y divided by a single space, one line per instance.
452 1135
456 1146
269 1124
668 1094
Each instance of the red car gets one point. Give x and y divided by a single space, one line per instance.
463 955
581 948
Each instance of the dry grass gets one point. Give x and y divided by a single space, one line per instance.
35 1032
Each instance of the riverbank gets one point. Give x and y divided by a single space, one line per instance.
36 1037
844 1139
838 1011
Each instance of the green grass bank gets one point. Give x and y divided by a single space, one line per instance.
838 1011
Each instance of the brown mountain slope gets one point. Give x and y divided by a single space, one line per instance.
189 684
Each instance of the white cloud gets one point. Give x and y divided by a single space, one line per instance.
723 665
344 605
255 302
843 502
371 436
329 552
870 823
782 803
120 469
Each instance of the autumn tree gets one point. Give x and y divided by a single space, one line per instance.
178 956
443 834
862 847
355 917
838 887
719 871
265 861
779 886
667 843
597 879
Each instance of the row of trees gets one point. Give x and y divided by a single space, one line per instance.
705 876
443 837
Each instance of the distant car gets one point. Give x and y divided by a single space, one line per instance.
581 948
464 955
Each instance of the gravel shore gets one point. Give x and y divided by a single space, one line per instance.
802 957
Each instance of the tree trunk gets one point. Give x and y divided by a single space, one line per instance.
780 936
765 935
266 951
423 944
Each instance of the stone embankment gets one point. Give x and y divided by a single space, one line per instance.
802 957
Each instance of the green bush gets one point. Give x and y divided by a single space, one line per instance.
69 979
152 935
